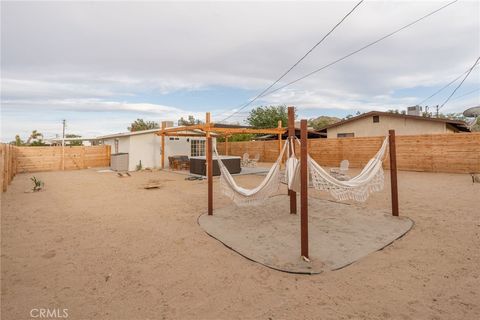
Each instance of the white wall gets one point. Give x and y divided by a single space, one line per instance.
147 148
123 144
144 147
365 127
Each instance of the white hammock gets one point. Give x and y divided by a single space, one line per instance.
292 171
371 179
242 196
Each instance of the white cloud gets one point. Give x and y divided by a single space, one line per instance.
94 56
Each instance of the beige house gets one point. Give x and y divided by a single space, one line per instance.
376 123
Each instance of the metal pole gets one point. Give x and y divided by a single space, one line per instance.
393 171
304 188
209 166
291 135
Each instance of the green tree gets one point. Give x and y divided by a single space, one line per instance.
18 141
189 122
322 121
238 137
34 136
268 116
37 143
74 142
140 124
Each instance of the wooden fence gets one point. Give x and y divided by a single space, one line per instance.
32 159
8 165
15 160
456 153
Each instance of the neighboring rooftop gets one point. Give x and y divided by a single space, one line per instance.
458 124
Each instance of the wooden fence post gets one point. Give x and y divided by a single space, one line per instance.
291 137
279 126
82 153
8 164
4 165
108 155
209 163
304 189
226 145
393 171
164 125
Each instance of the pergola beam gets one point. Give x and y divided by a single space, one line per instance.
225 131
184 128
230 131
173 134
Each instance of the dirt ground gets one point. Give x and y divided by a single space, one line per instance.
105 248
340 234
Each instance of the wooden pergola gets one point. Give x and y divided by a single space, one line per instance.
209 128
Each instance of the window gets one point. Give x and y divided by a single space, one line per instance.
116 145
345 135
376 119
197 148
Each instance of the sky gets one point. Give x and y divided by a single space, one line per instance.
101 65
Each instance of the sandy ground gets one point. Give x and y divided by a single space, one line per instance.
105 248
339 234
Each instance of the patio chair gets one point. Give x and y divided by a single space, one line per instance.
184 163
171 163
245 160
342 170
253 162
181 163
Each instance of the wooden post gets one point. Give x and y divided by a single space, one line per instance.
393 171
163 145
226 145
63 154
7 165
280 141
4 159
304 188
209 164
291 135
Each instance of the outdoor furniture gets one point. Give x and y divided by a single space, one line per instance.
198 165
252 163
341 172
245 159
179 162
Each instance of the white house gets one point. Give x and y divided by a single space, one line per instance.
145 146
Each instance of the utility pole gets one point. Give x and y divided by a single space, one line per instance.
63 123
63 144
437 109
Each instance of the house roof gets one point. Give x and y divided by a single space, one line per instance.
458 124
133 133
127 134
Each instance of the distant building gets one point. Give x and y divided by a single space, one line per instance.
145 147
376 123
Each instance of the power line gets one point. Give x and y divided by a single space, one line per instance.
460 84
466 94
298 61
446 86
361 49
